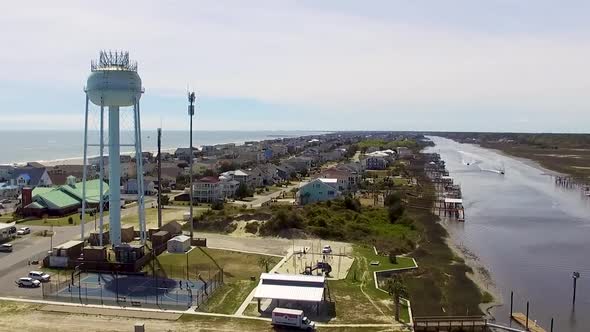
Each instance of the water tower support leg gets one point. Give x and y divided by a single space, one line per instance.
141 197
139 172
84 171
101 176
114 177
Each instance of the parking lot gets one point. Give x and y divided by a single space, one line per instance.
27 249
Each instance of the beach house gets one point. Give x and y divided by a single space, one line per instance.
318 190
30 176
211 189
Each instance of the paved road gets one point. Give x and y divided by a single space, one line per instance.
31 247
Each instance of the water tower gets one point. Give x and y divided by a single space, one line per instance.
114 84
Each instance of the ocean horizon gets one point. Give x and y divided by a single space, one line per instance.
21 146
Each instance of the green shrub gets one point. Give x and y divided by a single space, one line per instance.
70 221
392 258
217 205
486 297
252 227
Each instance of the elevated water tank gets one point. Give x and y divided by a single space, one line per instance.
115 80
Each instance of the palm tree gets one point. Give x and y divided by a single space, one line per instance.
263 262
396 288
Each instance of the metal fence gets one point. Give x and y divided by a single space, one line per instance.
132 290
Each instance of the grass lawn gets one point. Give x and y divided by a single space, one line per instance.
13 307
61 221
357 300
384 263
377 173
228 298
237 269
7 218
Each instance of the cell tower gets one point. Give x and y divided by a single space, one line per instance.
115 84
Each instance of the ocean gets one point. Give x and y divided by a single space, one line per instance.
53 146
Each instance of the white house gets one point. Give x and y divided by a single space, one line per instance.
237 175
211 189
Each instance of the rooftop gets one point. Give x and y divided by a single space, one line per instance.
292 287
68 245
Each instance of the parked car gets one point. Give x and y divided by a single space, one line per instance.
327 249
6 247
39 275
23 231
28 282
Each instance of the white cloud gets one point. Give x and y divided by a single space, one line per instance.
284 53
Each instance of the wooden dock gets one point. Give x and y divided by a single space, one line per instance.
521 319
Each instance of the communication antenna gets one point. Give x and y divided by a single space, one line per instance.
191 111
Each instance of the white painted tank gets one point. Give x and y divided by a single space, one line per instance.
117 87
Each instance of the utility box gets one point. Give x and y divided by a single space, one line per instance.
127 234
160 238
95 254
139 327
179 244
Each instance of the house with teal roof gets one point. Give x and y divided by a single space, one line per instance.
65 199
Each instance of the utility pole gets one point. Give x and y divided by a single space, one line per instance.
51 239
575 276
191 112
159 177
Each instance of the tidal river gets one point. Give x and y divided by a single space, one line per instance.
529 233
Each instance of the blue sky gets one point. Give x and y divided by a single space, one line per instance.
316 65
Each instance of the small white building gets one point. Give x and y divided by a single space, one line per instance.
179 244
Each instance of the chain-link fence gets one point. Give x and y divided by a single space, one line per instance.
132 290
